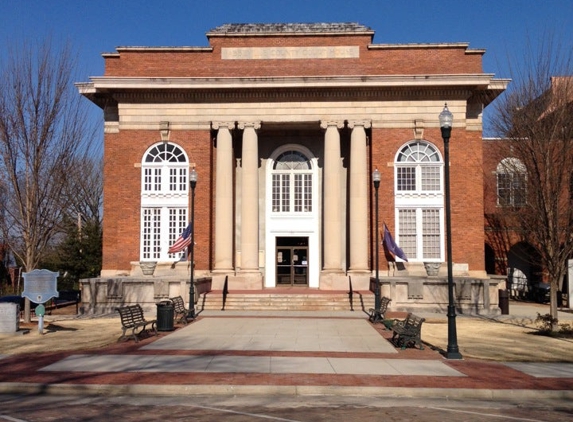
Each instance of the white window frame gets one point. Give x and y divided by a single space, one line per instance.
515 171
292 185
420 156
164 201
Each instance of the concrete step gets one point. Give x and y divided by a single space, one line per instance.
265 301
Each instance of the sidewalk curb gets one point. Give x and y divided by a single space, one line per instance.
292 390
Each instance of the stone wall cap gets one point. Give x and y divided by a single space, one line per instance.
289 28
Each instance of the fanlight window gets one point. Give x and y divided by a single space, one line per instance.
418 168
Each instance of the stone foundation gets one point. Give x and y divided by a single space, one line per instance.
412 294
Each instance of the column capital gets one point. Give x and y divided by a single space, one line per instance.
218 125
324 124
254 125
364 123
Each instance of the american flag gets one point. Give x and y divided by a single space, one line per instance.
182 241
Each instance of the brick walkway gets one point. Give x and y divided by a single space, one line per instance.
296 355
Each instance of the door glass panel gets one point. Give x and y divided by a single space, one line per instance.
300 266
284 266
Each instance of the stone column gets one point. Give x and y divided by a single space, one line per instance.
332 234
224 197
358 197
250 198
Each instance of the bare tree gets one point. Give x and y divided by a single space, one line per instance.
535 120
44 135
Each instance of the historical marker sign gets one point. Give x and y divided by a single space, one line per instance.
40 285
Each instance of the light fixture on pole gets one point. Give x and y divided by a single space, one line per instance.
193 184
377 298
452 352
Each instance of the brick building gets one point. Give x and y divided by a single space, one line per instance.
284 124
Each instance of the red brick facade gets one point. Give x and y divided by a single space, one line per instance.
194 87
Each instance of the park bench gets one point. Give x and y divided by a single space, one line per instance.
377 315
179 309
132 318
408 332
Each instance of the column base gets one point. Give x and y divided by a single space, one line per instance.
359 279
246 280
334 280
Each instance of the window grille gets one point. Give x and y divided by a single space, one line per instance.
431 242
151 233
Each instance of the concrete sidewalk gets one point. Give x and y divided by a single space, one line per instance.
283 353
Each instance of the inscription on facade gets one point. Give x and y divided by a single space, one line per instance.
290 53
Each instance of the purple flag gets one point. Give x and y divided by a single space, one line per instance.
391 246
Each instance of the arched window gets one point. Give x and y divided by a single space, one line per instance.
418 166
164 200
511 183
292 183
419 201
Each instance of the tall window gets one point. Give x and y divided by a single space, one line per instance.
511 183
292 183
419 201
164 200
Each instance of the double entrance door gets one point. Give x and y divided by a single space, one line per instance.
292 261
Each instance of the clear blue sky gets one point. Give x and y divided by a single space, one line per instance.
500 27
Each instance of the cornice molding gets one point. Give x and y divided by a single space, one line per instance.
107 83
315 95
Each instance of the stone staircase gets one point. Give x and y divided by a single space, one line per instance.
286 300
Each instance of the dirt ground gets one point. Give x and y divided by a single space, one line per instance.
512 339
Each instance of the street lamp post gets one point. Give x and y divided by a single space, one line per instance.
452 352
193 184
377 298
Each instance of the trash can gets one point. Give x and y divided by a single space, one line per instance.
165 315
504 301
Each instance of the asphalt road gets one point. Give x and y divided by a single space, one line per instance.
271 408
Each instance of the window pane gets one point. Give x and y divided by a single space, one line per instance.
151 232
407 230
285 193
156 180
298 193
307 193
147 179
431 233
177 223
406 178
518 189
503 189
281 193
303 193
430 178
